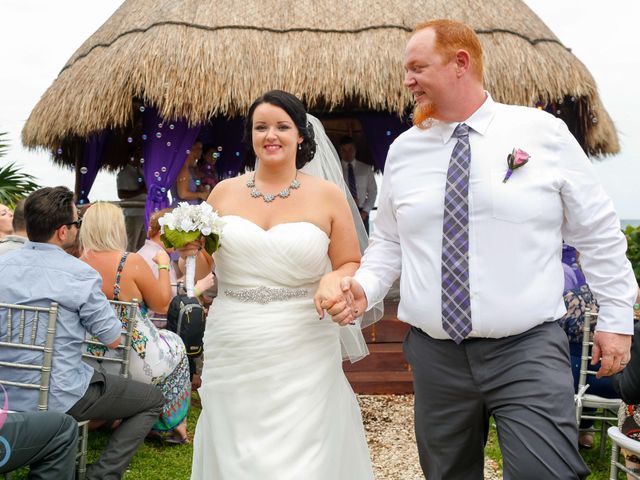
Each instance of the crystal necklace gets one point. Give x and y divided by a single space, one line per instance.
269 197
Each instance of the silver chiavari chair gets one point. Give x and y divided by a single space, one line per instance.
130 309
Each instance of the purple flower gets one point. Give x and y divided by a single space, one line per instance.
516 159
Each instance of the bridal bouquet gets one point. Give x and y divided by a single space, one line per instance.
187 223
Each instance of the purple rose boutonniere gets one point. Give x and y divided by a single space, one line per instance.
516 159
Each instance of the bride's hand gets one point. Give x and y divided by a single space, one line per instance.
191 248
330 295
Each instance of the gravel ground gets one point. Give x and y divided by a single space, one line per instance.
388 422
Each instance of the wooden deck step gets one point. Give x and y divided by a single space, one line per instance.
381 382
386 331
384 357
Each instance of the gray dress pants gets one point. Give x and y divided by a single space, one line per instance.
46 441
110 397
523 381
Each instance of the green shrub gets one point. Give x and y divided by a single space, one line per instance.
633 250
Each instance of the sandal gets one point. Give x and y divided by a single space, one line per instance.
177 440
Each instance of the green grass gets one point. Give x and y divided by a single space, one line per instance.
155 462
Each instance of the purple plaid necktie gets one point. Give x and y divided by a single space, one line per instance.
351 178
456 302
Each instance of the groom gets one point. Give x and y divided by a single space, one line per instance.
481 273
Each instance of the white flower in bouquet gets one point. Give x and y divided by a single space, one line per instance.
187 223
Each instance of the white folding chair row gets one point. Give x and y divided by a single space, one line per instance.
24 330
606 409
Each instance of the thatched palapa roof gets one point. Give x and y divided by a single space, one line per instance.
199 58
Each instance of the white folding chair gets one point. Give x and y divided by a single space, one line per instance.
121 308
23 325
618 441
30 329
605 408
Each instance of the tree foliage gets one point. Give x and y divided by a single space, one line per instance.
14 184
633 248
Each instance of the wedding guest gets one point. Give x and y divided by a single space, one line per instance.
359 178
6 217
41 273
19 236
45 441
151 247
478 245
185 188
158 357
131 188
206 169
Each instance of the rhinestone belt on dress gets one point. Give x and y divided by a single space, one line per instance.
264 294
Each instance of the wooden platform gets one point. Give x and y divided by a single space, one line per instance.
384 370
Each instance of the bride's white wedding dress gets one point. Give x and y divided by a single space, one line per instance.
275 402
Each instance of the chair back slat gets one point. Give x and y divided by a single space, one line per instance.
34 328
21 323
9 323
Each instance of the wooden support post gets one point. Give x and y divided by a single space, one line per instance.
77 152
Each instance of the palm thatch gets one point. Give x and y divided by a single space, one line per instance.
200 58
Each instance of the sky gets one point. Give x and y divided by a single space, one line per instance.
39 36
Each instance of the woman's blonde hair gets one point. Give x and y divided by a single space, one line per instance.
103 228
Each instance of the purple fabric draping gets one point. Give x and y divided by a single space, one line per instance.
164 151
226 135
91 162
570 259
381 129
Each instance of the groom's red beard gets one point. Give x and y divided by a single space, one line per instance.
422 113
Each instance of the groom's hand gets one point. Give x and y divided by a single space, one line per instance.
353 305
356 294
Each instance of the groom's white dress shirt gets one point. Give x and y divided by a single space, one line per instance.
516 228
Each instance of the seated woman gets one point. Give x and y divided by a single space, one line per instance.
205 170
187 188
6 219
158 356
578 299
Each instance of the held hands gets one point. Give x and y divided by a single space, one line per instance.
612 350
343 299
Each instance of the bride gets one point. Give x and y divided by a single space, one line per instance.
275 402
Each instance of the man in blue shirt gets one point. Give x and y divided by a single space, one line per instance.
43 272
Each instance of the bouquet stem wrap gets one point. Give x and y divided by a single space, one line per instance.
190 274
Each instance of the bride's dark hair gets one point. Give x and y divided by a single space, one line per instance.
295 109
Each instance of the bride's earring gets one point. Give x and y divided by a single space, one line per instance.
299 146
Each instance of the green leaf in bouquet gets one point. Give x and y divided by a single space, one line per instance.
212 243
176 239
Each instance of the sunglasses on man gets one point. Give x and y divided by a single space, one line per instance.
77 223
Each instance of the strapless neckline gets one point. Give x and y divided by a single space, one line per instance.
278 225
